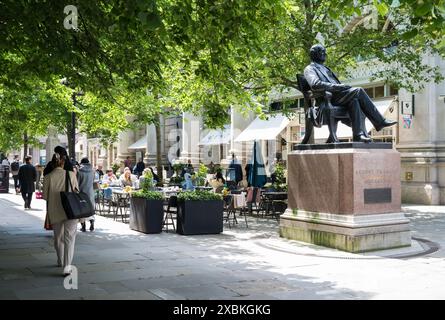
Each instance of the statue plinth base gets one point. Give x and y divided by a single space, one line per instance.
346 197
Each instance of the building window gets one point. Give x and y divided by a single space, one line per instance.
370 92
379 92
376 91
393 91
288 104
275 106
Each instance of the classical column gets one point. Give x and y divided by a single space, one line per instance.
51 142
125 139
190 139
150 154
103 158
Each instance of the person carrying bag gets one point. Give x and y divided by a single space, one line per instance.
55 182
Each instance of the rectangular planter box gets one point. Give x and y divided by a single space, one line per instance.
200 217
146 215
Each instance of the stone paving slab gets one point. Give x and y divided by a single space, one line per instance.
115 262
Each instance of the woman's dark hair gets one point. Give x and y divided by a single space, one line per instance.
61 152
220 176
58 159
84 161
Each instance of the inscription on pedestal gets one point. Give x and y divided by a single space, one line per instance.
377 195
375 176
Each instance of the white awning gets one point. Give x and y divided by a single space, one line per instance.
264 129
216 137
140 144
345 132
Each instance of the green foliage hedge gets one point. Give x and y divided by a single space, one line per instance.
199 195
149 195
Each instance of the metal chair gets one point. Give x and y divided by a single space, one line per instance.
172 208
254 199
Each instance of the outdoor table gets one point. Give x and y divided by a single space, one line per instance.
239 200
204 188
272 199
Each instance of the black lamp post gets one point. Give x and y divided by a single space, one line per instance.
72 125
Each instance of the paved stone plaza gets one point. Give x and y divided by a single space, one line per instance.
255 263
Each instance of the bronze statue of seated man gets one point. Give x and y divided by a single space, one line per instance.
321 79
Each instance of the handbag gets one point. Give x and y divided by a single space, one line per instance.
76 205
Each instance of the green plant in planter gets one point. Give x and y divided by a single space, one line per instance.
177 167
147 186
280 179
201 175
147 181
176 180
149 195
199 195
115 167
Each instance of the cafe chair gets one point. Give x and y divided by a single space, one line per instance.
172 208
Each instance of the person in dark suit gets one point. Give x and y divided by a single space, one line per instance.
321 79
27 178
140 166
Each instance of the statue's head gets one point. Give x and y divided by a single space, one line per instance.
318 53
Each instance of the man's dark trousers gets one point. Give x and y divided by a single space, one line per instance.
16 181
27 197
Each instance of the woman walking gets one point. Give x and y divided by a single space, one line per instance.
85 177
64 229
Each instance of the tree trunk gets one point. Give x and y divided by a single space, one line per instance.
25 145
70 134
158 148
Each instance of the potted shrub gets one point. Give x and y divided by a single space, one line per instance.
280 178
201 175
177 180
199 212
147 207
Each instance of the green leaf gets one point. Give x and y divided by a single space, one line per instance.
382 8
423 9
153 21
410 34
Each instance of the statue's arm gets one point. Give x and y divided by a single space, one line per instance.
317 85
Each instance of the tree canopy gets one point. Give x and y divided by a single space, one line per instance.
142 58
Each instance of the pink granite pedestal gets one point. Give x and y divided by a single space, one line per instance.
346 197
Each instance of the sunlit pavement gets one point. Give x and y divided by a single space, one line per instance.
116 263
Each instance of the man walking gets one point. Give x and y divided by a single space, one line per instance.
27 177
15 166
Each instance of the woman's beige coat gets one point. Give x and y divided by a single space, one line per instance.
53 184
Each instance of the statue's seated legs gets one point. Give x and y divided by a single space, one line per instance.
358 121
366 105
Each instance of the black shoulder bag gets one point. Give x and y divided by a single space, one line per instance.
76 205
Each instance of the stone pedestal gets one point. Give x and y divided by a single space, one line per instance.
345 196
